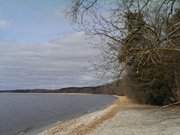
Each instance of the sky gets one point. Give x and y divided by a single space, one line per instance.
33 21
41 48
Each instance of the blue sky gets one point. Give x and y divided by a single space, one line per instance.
33 21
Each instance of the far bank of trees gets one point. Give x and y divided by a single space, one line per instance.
143 38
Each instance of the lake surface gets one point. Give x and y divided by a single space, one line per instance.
20 113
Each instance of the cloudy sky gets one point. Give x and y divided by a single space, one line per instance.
40 48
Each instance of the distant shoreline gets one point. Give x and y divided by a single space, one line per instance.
102 89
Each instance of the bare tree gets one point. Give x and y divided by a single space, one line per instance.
143 37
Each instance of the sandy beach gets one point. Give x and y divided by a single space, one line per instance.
122 118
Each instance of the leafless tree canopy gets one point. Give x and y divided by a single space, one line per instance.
145 36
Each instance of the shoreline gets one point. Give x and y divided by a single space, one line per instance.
37 112
97 89
85 123
40 130
123 117
73 120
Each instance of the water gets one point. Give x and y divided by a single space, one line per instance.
27 112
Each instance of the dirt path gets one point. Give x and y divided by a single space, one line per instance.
142 120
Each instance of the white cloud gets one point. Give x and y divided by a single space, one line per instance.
75 38
63 62
4 23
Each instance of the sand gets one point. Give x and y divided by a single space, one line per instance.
122 118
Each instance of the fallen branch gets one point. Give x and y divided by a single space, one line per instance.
171 105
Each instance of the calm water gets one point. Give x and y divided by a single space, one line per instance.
26 112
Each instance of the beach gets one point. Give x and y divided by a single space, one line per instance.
122 118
